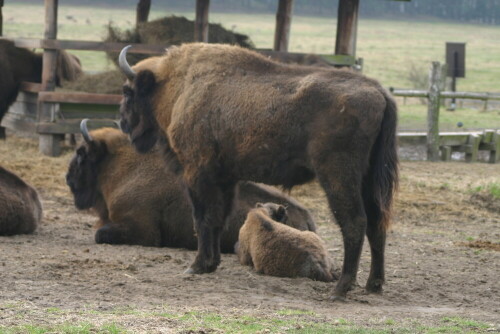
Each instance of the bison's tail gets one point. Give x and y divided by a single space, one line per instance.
381 180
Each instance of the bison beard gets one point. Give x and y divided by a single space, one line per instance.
229 114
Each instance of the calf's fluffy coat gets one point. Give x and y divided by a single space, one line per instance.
278 250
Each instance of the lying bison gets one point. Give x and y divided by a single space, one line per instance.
228 114
20 207
139 201
19 64
273 248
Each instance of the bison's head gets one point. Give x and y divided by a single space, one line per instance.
136 110
83 170
277 212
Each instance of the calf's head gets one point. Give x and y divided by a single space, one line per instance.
137 117
82 175
277 212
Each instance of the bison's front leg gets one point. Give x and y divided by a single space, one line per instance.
211 205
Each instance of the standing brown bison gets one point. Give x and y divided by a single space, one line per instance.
139 201
20 64
229 114
20 207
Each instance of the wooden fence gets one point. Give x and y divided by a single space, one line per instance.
434 95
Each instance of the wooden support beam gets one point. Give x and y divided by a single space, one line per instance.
201 21
433 112
283 23
59 44
445 153
49 144
142 12
472 148
50 56
347 26
1 18
84 98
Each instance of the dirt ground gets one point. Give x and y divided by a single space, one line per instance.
442 259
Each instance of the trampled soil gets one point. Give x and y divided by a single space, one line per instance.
442 259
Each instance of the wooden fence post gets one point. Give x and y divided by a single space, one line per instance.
283 22
201 21
142 12
347 26
49 144
1 18
433 112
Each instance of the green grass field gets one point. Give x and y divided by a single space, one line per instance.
389 48
283 321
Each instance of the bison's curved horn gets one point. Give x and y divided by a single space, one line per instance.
118 125
85 130
124 66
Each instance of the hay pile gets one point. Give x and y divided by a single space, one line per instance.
110 82
171 30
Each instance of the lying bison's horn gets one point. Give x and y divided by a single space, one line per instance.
85 130
124 66
118 125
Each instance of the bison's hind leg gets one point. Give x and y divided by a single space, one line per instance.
340 175
376 237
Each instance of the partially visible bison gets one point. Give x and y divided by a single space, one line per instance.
20 207
20 64
273 248
228 114
139 201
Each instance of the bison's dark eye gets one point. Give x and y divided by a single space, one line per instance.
128 92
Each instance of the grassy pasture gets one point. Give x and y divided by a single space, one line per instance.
390 48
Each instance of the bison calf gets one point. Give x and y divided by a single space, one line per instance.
139 201
20 207
278 250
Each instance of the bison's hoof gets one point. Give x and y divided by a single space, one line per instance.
338 298
374 286
197 270
191 271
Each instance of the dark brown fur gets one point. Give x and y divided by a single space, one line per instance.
229 114
273 248
139 201
20 64
20 207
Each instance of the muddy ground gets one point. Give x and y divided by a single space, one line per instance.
442 259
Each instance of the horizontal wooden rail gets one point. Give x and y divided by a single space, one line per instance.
470 95
146 48
409 92
83 98
88 45
31 87
445 94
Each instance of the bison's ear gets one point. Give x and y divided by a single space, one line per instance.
280 214
259 205
97 150
145 82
